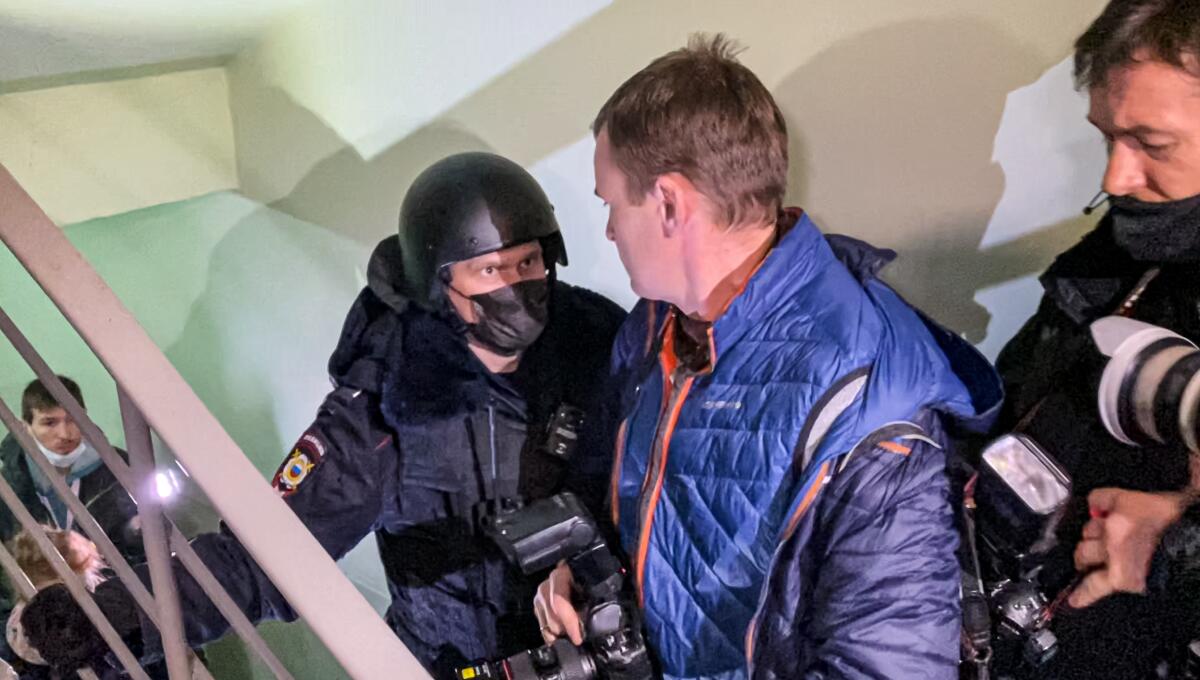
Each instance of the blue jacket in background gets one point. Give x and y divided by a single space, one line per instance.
798 522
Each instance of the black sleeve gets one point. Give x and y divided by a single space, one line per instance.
1175 570
333 480
117 514
13 467
1120 637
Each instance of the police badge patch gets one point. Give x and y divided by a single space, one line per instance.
303 459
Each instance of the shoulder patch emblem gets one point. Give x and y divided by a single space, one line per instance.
300 462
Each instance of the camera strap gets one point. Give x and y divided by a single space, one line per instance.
507 475
1130 301
977 620
495 467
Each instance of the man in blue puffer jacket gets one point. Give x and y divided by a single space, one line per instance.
780 416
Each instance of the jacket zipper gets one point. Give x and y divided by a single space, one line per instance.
655 473
492 443
619 458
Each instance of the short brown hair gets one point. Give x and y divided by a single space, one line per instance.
1167 30
699 112
36 396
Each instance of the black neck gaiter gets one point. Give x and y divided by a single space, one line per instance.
1157 232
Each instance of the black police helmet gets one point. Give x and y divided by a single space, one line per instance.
467 205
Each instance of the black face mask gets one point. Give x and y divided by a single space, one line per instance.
510 319
1157 232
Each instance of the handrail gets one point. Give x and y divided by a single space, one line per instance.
286 551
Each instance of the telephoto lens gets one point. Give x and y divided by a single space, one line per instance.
1150 389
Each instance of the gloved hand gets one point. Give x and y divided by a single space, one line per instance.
56 626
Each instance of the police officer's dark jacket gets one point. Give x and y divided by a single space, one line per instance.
414 438
446 436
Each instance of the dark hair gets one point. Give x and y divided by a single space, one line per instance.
1166 30
36 396
699 112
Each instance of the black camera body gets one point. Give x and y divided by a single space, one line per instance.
537 537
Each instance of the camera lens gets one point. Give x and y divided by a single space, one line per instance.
1150 390
559 661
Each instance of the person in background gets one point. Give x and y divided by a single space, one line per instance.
81 556
60 441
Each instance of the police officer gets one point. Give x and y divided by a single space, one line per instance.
459 368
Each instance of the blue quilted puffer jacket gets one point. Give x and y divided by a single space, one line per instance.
796 522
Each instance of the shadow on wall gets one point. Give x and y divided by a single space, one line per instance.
240 403
892 139
361 198
319 177
256 340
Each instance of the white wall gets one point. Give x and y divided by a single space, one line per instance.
1053 162
85 151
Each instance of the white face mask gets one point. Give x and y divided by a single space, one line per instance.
64 460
